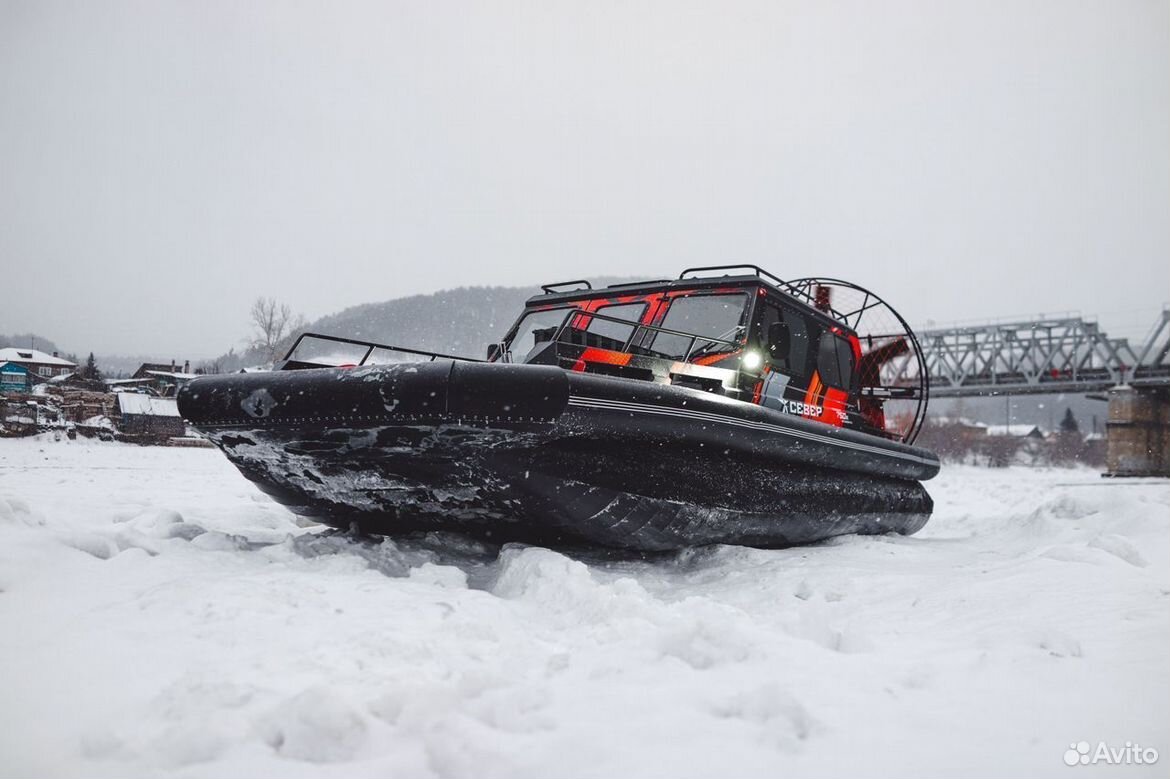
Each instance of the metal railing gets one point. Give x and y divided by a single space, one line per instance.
1043 356
552 289
370 348
803 289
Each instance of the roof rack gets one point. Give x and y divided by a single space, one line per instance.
637 283
756 271
804 288
551 288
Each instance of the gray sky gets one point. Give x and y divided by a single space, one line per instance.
162 164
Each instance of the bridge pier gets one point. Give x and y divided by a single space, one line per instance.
1137 435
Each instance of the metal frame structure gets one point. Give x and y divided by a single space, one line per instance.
1068 354
802 289
908 384
637 330
291 362
1156 351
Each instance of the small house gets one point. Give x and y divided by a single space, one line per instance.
150 369
145 415
40 366
14 377
164 379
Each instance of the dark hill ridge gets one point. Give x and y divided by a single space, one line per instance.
459 321
454 321
29 341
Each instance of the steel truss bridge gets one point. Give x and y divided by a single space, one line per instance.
1041 356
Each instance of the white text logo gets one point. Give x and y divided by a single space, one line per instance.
1082 753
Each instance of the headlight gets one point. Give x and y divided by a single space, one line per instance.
751 360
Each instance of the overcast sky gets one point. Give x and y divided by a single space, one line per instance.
162 164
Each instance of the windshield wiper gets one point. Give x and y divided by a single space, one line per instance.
710 348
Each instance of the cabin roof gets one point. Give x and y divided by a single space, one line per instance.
35 356
740 281
147 405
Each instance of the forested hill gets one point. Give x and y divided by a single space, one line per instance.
29 341
455 321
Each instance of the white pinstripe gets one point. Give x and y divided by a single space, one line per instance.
707 416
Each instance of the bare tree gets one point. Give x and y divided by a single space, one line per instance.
273 323
1000 450
209 367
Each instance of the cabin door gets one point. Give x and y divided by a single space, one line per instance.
784 337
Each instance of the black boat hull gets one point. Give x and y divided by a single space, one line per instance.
538 454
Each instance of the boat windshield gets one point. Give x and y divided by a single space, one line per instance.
702 324
536 327
714 319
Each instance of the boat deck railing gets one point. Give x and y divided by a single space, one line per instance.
357 352
367 349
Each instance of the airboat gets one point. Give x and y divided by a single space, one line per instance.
725 406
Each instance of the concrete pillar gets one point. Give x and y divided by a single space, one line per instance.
1137 434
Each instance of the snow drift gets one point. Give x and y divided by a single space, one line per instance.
161 617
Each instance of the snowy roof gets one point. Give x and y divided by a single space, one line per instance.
173 375
16 354
132 382
962 421
133 403
1017 430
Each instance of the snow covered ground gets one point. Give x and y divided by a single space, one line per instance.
160 617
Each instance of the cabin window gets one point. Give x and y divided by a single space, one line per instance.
835 361
799 341
536 327
43 371
709 317
785 347
614 335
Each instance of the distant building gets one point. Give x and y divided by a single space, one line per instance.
1094 449
14 377
149 369
1016 431
41 366
164 379
127 385
960 423
147 415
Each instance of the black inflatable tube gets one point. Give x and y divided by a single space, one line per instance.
539 454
